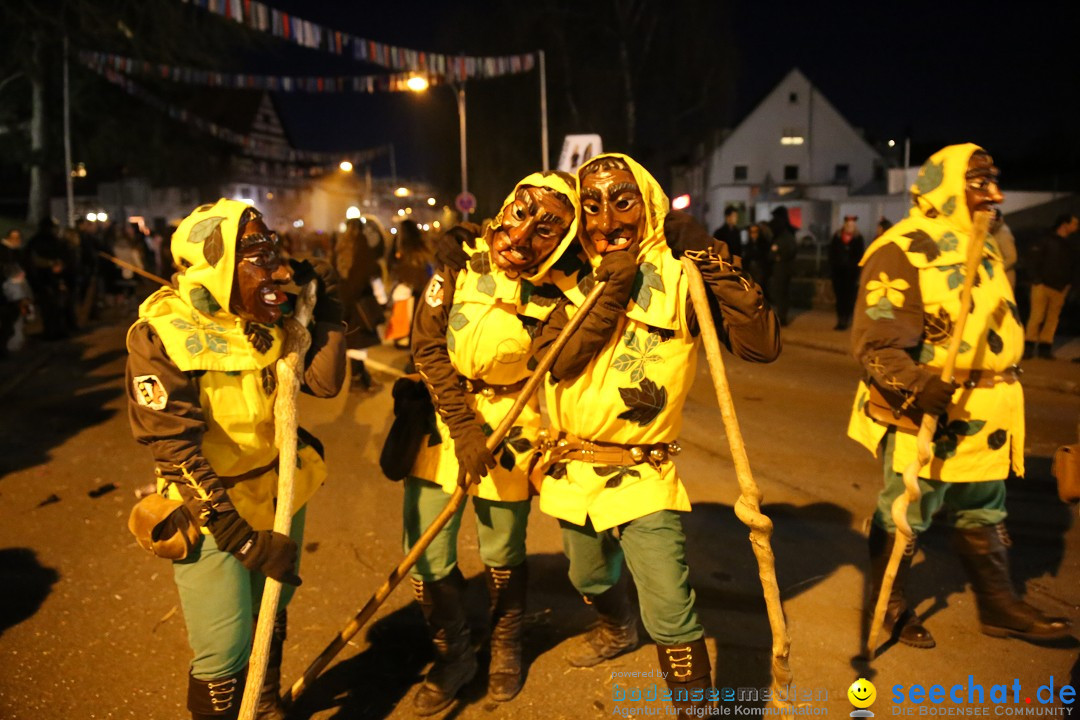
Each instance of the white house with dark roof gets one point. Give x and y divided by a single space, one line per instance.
795 149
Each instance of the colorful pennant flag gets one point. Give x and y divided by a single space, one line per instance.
259 16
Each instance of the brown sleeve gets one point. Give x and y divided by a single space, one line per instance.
884 334
324 366
748 326
586 342
432 358
165 415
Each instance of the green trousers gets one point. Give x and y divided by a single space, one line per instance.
970 504
654 547
220 599
500 530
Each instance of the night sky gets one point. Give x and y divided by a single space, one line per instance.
996 73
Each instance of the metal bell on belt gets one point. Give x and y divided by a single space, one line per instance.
637 454
657 455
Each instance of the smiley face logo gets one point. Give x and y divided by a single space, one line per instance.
862 693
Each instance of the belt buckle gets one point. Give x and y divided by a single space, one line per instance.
588 451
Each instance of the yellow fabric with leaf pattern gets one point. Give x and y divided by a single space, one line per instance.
632 393
489 337
983 437
239 385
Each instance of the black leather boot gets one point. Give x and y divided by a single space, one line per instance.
1046 351
270 707
442 603
506 588
1029 349
901 622
217 699
688 674
984 552
615 631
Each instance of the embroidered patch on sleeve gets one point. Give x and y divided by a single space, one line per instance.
434 294
149 392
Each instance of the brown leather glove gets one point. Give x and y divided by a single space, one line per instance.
684 233
269 552
618 269
473 456
936 396
448 250
328 307
730 285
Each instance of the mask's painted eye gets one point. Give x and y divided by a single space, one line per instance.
519 212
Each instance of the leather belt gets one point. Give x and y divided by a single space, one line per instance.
488 390
568 447
230 481
985 378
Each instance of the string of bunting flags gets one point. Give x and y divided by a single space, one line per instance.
263 18
395 82
253 147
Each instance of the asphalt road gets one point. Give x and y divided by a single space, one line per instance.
90 625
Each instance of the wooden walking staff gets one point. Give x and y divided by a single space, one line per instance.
398 574
912 493
290 367
748 506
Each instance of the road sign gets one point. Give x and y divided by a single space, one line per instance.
465 202
577 149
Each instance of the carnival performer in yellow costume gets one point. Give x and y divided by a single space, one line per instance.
201 384
472 344
615 400
909 295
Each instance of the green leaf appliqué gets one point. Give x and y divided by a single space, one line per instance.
646 280
930 176
203 301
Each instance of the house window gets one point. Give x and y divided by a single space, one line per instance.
791 172
842 174
740 173
792 136
793 98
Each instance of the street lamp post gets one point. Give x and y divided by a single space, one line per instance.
463 142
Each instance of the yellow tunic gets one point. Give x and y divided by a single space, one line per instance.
237 385
631 394
984 436
488 339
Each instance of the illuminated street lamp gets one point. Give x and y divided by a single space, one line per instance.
431 202
345 166
402 192
352 213
417 83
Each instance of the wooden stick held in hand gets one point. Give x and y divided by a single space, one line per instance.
748 506
398 573
290 369
912 493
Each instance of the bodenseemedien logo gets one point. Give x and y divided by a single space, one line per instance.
862 695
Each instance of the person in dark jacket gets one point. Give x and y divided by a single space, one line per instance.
729 232
1051 269
845 252
782 254
47 262
357 266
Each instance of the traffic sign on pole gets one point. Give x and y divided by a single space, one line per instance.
465 202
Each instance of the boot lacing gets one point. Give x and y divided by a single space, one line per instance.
221 693
680 662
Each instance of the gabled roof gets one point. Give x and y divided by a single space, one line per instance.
796 73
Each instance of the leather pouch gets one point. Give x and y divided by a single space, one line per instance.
880 409
167 528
